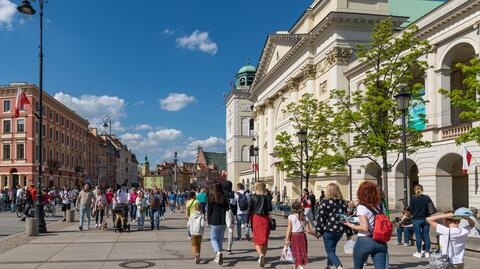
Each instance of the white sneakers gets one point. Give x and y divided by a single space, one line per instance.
261 260
219 258
423 254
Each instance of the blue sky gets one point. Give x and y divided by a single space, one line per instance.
159 68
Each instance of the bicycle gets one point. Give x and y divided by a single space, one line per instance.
20 209
49 208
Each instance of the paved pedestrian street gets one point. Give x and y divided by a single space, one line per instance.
167 248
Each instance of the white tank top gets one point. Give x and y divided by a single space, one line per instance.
297 225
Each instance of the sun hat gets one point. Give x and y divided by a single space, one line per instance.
463 212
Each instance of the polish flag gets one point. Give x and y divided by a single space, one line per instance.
467 158
21 101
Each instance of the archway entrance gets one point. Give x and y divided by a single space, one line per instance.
460 53
412 178
373 172
452 184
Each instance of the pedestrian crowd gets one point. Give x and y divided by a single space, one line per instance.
245 215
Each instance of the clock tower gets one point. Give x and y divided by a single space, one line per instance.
239 123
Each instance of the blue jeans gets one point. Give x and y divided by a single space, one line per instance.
133 211
162 211
85 211
330 240
365 246
155 218
421 228
140 219
217 233
241 219
407 231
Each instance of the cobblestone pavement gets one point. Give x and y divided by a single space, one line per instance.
66 247
11 224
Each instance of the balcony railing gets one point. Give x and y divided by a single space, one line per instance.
453 132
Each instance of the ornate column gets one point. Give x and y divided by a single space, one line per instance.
261 139
431 92
442 79
271 137
309 72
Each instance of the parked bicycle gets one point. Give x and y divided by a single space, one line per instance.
49 208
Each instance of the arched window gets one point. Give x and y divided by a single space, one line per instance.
245 153
246 126
242 82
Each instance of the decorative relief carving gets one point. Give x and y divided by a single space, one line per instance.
322 67
322 89
339 55
309 72
292 84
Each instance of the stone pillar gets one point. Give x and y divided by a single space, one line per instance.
442 79
261 142
31 226
271 139
431 92
71 215
10 180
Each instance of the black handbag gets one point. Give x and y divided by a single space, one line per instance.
431 207
273 224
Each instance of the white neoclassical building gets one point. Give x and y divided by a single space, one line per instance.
317 55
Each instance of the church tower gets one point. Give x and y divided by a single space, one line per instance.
239 123
145 168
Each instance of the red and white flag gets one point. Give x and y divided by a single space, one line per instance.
20 102
224 173
467 158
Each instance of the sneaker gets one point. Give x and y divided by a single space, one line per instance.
406 245
426 254
220 258
229 252
217 258
96 226
418 255
64 219
262 260
398 243
197 259
80 228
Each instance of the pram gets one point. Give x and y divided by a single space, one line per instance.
120 218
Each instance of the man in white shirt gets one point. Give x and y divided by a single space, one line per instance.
122 199
66 197
243 199
452 237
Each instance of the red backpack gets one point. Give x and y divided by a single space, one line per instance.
382 226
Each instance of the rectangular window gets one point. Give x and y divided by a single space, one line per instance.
37 127
20 151
56 117
6 152
50 134
61 120
20 125
6 105
51 155
44 131
7 126
56 136
56 156
63 138
63 159
36 153
50 114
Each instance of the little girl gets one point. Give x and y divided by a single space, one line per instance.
141 204
296 236
196 225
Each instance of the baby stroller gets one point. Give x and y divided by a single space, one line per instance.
120 221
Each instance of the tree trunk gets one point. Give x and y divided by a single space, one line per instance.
385 177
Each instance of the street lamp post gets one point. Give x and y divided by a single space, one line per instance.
107 123
255 160
403 101
302 138
27 9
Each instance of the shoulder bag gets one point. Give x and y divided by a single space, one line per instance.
431 207
438 260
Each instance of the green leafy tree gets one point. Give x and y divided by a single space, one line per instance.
323 139
372 112
467 98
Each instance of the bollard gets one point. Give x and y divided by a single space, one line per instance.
31 226
71 215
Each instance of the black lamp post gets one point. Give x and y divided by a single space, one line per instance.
107 123
255 154
403 102
27 9
302 138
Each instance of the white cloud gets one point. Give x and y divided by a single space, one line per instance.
168 32
198 41
176 101
7 12
213 143
152 142
140 127
94 108
139 103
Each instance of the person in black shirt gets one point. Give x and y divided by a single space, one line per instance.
217 207
259 215
421 228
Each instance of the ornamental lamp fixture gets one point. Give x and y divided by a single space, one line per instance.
302 135
403 98
26 8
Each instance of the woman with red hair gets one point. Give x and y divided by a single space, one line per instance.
369 204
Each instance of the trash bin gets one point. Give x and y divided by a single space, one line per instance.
71 215
31 226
